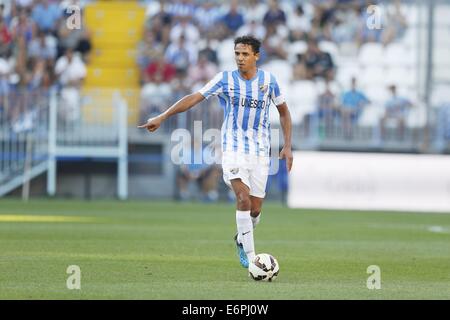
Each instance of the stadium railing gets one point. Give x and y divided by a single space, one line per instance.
41 127
23 138
93 131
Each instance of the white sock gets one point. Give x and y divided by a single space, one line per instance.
255 220
245 233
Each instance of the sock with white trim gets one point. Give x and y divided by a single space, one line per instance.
245 233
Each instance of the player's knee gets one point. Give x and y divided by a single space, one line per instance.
254 213
243 200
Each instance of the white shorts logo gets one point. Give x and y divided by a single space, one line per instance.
234 170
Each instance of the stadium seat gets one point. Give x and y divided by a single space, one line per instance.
113 58
345 74
116 4
301 98
371 54
131 96
329 47
281 69
225 52
441 56
371 115
127 37
348 49
334 86
377 94
114 15
440 95
398 55
442 74
100 100
411 92
295 48
112 77
117 28
228 65
417 117
347 62
441 14
442 35
373 76
410 38
402 77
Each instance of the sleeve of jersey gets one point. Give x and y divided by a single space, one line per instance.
277 97
213 87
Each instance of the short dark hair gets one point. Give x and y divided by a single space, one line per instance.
249 40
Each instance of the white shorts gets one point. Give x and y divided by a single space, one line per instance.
252 170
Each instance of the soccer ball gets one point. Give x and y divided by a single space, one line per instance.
264 268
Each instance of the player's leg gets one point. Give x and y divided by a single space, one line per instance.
236 176
255 211
242 192
243 218
258 182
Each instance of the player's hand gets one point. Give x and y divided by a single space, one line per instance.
286 153
152 124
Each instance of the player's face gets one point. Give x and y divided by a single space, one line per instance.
245 57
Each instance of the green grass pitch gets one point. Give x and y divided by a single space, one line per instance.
163 250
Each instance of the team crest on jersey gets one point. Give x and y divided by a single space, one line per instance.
234 170
263 88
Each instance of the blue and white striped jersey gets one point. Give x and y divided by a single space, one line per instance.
246 126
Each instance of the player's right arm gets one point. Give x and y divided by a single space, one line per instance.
181 105
212 88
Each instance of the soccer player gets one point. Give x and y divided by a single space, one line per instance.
245 94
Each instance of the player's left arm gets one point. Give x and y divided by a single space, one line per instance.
286 125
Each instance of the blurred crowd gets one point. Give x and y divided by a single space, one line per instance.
183 47
183 43
39 50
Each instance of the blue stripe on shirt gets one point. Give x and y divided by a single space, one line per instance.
276 88
237 93
265 127
226 108
256 123
248 97
213 89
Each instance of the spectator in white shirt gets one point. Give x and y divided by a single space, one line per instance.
186 28
70 71
252 28
298 23
24 3
43 47
181 54
207 16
